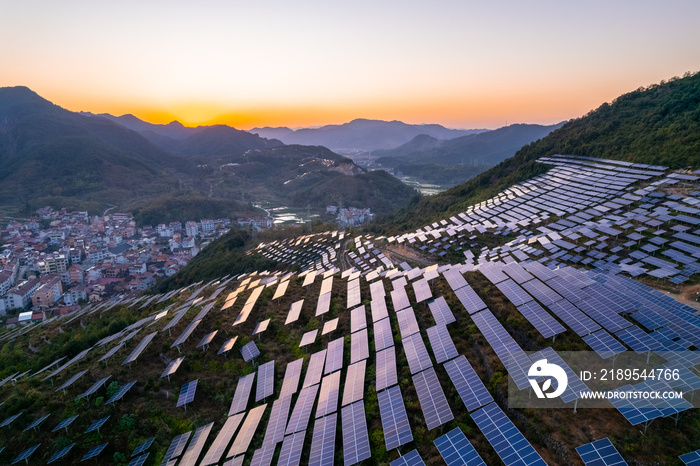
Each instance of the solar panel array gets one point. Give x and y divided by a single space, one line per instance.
187 393
314 371
95 425
397 430
119 394
470 300
416 353
245 435
323 441
302 410
177 446
441 311
455 449
266 379
604 344
65 423
292 374
328 397
250 351
94 452
471 389
290 454
422 291
412 458
274 433
432 399
358 319
441 343
94 387
601 452
359 346
408 325
60 453
195 448
355 436
540 319
506 439
217 448
24 456
691 459
242 394
386 374
354 382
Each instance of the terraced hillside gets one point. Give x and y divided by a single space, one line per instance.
398 350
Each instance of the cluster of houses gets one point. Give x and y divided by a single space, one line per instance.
351 216
59 259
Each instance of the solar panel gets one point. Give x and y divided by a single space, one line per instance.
186 333
354 382
510 444
94 452
454 279
441 311
60 453
432 399
408 325
412 458
359 346
143 446
139 461
334 356
245 435
379 311
470 300
274 433
139 348
354 297
250 351
601 452
397 430
471 389
177 446
604 344
266 381
195 449
383 337
302 410
416 353
65 423
292 374
206 339
96 425
24 456
330 326
308 338
172 367
290 455
323 441
328 397
9 420
441 343
386 368
540 319
315 369
399 299
263 455
242 394
111 352
324 304
261 327
37 422
96 386
514 292
187 393
281 290
358 319
691 459
574 318
456 450
294 312
355 437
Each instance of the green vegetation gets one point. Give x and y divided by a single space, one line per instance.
657 125
189 206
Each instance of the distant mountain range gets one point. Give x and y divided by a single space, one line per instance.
658 125
51 156
361 134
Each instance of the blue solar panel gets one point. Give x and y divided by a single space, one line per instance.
541 319
187 393
456 450
143 446
60 453
355 436
24 456
65 423
121 392
506 439
250 351
433 402
471 389
94 451
96 424
412 458
691 459
323 442
397 430
604 344
600 453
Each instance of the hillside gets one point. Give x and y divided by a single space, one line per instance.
658 125
361 134
46 151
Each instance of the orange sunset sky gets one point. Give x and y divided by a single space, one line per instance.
458 63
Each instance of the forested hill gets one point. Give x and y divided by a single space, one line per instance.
658 125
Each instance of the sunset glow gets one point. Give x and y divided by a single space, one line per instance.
247 64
